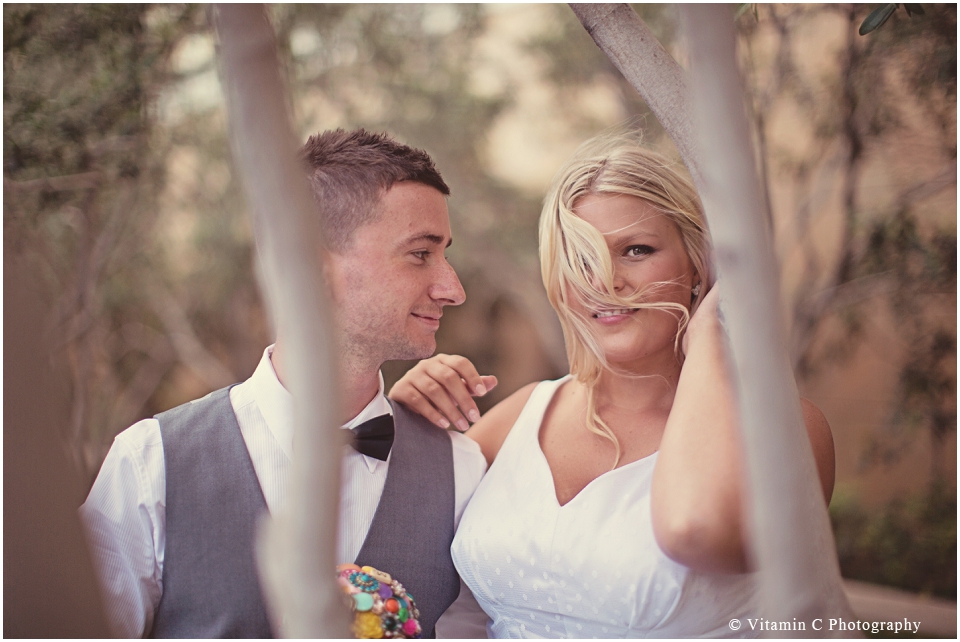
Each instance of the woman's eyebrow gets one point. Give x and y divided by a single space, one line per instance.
618 237
630 230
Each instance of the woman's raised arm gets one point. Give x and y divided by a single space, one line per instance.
697 493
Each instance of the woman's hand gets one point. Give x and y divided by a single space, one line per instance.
706 319
442 388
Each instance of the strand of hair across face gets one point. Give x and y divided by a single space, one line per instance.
574 255
591 380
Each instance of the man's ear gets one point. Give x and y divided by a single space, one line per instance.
332 268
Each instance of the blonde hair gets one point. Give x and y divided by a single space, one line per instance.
574 256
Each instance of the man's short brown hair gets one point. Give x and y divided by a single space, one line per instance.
350 171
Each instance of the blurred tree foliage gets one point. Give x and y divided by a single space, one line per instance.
574 63
920 259
922 266
910 544
887 100
82 170
894 93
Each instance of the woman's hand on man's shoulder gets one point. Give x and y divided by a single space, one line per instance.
442 388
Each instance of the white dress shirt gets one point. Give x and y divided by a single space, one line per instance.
125 511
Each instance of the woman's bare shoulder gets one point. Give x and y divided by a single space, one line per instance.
821 440
493 428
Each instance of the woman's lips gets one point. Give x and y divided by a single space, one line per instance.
612 317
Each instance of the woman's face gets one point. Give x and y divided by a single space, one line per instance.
646 249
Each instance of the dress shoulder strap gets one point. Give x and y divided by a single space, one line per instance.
530 418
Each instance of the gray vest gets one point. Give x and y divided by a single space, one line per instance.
412 530
210 584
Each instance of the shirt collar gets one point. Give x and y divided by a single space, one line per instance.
377 406
276 403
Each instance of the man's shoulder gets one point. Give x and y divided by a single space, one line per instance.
142 435
189 418
139 442
199 405
132 474
465 447
467 455
145 434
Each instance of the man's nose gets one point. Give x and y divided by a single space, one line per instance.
447 289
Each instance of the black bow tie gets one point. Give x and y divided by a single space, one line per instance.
374 437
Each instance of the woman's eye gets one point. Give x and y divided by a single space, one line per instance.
639 250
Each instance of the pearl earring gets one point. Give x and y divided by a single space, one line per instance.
695 291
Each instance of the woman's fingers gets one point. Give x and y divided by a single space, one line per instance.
405 393
489 382
706 317
441 389
459 384
466 371
435 387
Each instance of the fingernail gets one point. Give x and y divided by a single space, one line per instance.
474 416
462 425
481 390
444 423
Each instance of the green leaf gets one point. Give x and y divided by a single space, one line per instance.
877 18
742 8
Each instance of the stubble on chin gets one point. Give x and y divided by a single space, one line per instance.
371 351
368 339
399 348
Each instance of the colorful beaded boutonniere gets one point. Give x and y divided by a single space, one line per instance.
382 607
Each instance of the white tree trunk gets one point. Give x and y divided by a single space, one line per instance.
296 551
793 541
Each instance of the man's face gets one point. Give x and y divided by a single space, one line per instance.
391 283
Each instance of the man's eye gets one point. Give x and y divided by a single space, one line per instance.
421 254
639 250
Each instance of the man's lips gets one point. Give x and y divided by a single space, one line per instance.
430 319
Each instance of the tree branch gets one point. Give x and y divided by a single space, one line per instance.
296 548
636 52
928 188
148 376
86 180
792 537
189 349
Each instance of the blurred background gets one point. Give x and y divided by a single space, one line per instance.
123 212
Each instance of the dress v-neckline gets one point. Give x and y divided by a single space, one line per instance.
546 464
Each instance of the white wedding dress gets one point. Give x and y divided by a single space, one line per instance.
590 568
